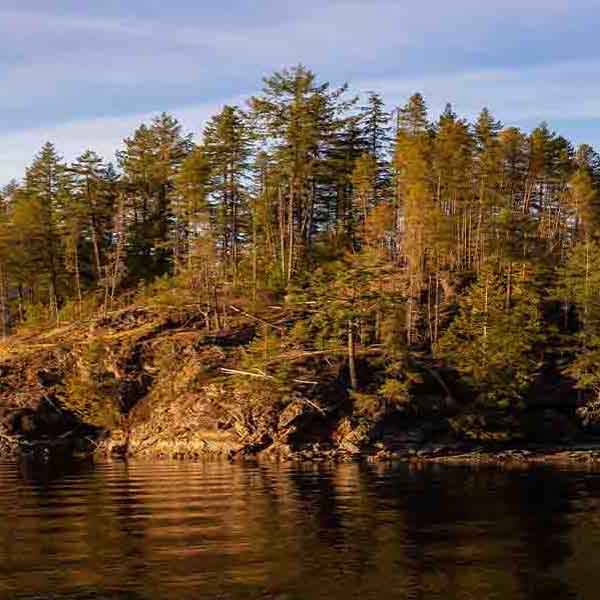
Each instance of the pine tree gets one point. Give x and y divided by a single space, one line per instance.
228 146
584 202
150 162
6 195
492 347
300 119
93 201
376 133
447 243
190 205
578 288
40 218
364 179
488 159
451 219
414 201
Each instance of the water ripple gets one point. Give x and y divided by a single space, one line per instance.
189 530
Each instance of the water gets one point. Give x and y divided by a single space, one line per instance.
215 530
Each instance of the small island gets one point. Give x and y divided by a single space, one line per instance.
317 277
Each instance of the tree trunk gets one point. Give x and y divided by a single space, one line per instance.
78 281
291 240
3 303
351 356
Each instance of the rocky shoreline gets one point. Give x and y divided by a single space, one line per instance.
458 454
179 392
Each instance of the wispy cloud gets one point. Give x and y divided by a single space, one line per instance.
87 73
561 90
515 96
104 135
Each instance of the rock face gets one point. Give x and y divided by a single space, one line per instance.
212 421
30 413
141 382
159 382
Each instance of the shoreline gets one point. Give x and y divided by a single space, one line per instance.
190 407
459 454
550 455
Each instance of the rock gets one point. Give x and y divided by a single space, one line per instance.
409 436
349 447
296 409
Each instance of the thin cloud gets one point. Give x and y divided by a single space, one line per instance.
64 63
530 93
104 135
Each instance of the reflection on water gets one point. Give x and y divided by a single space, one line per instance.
215 530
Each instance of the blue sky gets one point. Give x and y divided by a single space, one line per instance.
86 73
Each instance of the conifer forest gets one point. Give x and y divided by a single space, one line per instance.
379 261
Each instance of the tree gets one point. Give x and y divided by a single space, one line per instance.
494 348
299 118
348 304
414 201
583 201
150 162
364 179
376 134
40 220
488 171
190 205
459 244
578 287
227 147
5 242
93 203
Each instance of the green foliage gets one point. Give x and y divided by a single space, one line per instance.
494 346
91 390
487 426
585 367
366 406
75 310
366 240
395 392
578 285
36 316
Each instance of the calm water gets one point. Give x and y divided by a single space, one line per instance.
215 530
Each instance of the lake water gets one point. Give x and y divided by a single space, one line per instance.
216 530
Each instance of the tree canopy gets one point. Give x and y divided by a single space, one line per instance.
470 243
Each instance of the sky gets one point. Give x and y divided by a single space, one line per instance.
86 74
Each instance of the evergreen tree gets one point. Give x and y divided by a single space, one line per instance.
227 147
492 347
578 288
150 162
40 219
446 245
376 132
93 204
190 205
299 117
364 179
415 202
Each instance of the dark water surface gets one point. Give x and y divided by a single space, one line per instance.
215 530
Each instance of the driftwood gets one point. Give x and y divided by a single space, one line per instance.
261 375
247 373
315 406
